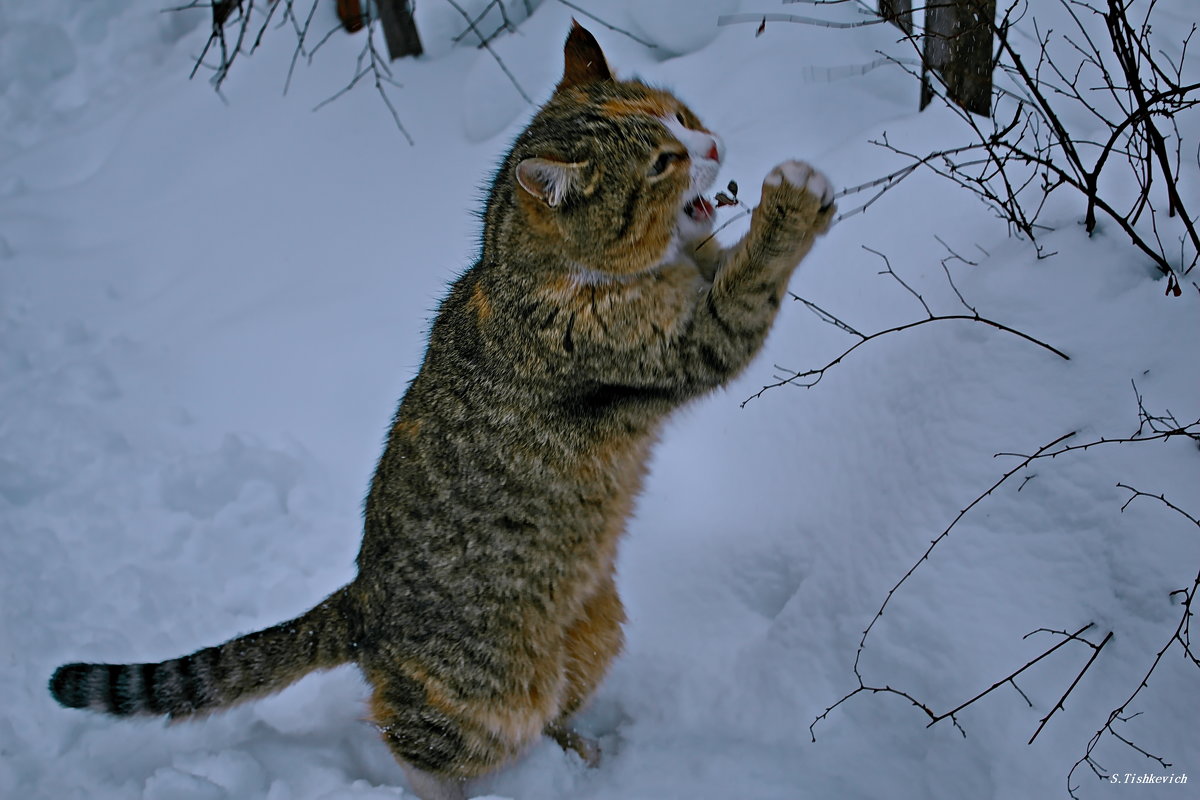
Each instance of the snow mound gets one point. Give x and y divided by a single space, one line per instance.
444 26
490 102
678 27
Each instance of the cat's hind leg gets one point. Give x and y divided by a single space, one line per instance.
572 740
592 642
442 740
428 743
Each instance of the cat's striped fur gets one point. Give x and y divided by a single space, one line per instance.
485 612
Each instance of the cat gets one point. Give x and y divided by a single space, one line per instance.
485 613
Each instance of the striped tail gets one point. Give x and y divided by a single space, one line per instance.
244 668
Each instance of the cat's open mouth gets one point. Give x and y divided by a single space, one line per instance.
699 208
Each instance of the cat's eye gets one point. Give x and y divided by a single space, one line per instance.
679 117
665 159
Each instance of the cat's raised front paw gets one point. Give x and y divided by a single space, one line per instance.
803 176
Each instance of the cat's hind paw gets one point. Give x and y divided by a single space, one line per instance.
571 740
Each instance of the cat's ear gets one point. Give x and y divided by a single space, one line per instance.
547 180
583 60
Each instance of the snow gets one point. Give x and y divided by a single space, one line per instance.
679 27
208 310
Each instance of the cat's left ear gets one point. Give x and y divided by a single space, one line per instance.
583 60
547 180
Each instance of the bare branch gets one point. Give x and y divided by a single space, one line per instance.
803 378
1074 683
1125 83
887 270
825 316
608 25
737 19
811 377
485 43
1191 431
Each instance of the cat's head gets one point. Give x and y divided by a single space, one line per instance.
613 172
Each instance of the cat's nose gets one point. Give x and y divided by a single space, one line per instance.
715 150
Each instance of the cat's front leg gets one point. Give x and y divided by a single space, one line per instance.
729 321
796 207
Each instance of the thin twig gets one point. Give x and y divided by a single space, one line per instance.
801 378
738 19
486 45
608 25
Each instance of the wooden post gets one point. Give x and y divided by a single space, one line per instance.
399 28
958 46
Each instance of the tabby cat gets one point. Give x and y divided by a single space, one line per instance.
484 613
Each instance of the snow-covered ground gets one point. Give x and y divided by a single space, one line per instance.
208 310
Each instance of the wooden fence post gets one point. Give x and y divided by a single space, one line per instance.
399 28
958 46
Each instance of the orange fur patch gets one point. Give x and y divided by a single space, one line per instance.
479 303
655 104
501 728
643 251
619 460
407 427
592 642
561 290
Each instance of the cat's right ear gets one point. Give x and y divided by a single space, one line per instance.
583 60
547 180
